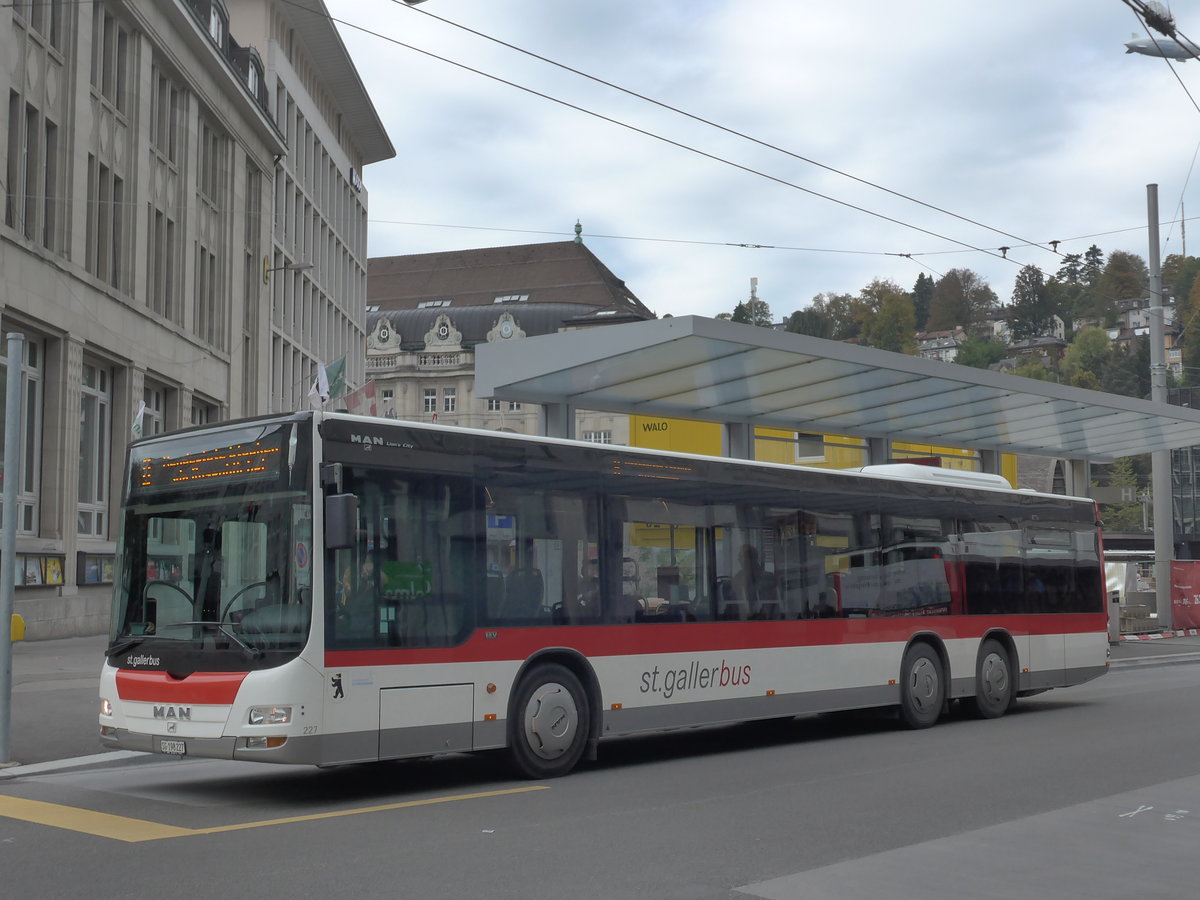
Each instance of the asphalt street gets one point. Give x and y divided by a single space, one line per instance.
55 695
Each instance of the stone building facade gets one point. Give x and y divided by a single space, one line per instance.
183 236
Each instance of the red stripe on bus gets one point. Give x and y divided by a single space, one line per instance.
500 643
215 688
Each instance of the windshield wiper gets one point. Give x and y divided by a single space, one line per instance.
121 646
251 652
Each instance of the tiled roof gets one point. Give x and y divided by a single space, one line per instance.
557 272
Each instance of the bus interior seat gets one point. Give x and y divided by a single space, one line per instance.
495 594
524 593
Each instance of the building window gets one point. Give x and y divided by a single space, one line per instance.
31 435
493 405
211 163
511 298
203 413
44 17
432 304
598 437
809 447
33 181
387 394
110 58
216 23
430 400
514 406
105 223
154 417
449 399
95 428
161 280
210 319
165 116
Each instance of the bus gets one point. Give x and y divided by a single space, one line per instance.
322 588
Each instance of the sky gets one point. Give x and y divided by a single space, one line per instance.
954 129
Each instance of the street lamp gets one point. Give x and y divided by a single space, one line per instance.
286 267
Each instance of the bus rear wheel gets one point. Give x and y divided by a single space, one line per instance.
994 689
548 730
922 687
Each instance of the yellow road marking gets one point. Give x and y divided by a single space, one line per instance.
72 818
121 828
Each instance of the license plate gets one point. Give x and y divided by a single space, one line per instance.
176 748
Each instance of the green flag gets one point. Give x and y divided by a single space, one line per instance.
336 373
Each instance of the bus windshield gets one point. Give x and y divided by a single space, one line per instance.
213 563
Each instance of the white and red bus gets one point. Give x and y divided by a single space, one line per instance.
327 589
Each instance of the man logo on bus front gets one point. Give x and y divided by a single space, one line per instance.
338 693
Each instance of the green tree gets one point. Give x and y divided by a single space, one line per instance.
892 325
1029 315
979 352
1087 300
1125 276
1071 269
922 294
1093 265
753 312
845 313
1179 274
1123 516
810 320
1035 368
1128 370
960 297
1086 358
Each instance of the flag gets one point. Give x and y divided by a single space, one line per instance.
336 373
319 392
362 401
138 416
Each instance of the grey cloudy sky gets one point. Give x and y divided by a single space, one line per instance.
1027 117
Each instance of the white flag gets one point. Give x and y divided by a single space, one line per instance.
319 392
137 419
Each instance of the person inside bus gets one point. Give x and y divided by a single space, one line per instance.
354 607
585 604
754 586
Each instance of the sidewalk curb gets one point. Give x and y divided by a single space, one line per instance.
1166 659
62 765
1158 636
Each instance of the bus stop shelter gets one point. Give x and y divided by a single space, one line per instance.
743 376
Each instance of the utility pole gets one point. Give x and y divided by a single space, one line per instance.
1160 460
8 538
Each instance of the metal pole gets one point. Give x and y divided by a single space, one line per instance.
8 536
1160 461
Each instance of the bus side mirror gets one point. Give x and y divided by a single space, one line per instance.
341 521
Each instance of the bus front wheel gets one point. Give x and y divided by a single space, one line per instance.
994 689
922 687
548 730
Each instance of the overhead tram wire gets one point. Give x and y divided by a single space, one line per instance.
628 237
662 139
719 127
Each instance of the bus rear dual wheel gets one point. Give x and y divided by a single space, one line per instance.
995 690
923 684
548 728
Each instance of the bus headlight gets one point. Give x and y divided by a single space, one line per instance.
106 708
270 715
